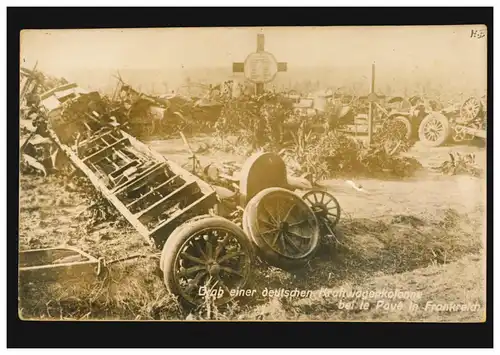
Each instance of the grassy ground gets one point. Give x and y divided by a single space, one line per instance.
460 282
422 234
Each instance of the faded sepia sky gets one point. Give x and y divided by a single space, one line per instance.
430 48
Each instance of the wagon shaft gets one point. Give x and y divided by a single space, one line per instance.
155 195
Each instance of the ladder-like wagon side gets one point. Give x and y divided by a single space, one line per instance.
154 194
169 206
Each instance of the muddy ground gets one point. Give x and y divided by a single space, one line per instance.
424 234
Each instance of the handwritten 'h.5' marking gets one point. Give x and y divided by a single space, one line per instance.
477 33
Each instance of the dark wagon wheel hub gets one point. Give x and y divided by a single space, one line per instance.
320 209
214 269
212 259
282 227
285 225
325 206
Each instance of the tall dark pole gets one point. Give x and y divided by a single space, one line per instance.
371 107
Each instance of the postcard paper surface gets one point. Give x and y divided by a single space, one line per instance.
255 174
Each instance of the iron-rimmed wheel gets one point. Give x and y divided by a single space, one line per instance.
180 228
210 252
283 228
434 130
471 109
325 206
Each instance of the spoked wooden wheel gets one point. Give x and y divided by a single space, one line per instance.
282 226
434 130
325 207
177 230
470 109
206 254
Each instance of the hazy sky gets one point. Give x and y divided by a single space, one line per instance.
429 48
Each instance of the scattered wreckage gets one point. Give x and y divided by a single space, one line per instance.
190 216
434 124
460 122
210 223
190 105
417 118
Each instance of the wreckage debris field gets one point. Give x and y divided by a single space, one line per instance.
271 200
420 234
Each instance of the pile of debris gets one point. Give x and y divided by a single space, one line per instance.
161 116
40 95
334 153
257 119
36 149
140 114
460 164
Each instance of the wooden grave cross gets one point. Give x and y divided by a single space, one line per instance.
260 67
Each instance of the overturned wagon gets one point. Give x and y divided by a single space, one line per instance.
176 211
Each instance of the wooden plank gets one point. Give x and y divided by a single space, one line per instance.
85 143
98 184
155 209
45 256
152 191
104 150
112 163
98 162
51 92
175 168
123 156
119 171
153 171
59 272
179 213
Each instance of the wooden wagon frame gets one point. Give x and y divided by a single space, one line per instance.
179 212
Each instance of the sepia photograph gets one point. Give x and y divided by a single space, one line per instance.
330 173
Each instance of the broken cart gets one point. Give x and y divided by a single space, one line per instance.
173 209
